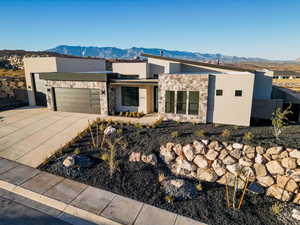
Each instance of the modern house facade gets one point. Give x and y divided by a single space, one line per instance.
177 89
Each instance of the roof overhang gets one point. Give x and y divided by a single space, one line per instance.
84 76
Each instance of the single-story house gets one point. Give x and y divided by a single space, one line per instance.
174 88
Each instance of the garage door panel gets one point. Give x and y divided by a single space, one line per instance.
78 100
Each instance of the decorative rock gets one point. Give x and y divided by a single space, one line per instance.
250 155
201 161
296 214
260 170
167 154
279 193
229 147
266 181
295 154
289 163
237 145
223 154
178 149
274 157
297 199
298 162
260 150
294 174
274 150
236 153
260 159
207 175
205 142
184 164
234 168
188 151
150 159
109 131
284 154
170 146
274 167
287 183
218 167
245 162
135 157
69 161
229 160
211 154
180 189
248 149
215 145
200 148
229 178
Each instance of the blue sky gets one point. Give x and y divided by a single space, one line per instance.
261 28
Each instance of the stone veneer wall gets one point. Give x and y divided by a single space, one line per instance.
102 86
275 169
184 82
111 99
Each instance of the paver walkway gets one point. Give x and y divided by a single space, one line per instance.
78 203
29 135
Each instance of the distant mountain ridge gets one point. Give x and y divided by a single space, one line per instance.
113 52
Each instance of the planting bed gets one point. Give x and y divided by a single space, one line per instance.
139 181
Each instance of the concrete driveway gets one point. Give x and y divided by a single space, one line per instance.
30 135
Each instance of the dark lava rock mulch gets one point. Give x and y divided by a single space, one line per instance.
139 181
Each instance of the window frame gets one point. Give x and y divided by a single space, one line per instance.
190 102
181 106
217 92
169 101
236 93
126 95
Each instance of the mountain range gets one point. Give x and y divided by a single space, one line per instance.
113 52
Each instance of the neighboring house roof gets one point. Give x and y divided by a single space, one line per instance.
191 62
286 73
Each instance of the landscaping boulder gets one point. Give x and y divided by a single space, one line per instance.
219 167
287 183
200 148
260 170
260 150
245 162
178 149
69 161
274 150
181 163
237 145
229 160
110 131
135 157
274 167
188 151
201 161
236 153
295 154
211 154
265 181
297 199
167 154
289 163
207 175
277 192
180 189
223 154
296 214
234 168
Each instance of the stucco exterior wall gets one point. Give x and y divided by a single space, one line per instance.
183 82
264 108
54 64
102 86
228 108
263 84
140 69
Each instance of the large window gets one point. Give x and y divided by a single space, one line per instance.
170 101
181 102
130 96
193 102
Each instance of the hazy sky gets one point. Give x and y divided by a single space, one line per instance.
261 28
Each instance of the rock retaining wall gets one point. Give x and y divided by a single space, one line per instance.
277 169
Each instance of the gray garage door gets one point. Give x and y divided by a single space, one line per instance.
81 100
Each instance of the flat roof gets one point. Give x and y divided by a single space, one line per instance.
192 62
75 76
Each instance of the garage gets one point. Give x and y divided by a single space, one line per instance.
81 100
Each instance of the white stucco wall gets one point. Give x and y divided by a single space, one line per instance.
140 69
228 108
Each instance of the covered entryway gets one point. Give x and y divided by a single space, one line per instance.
39 89
81 100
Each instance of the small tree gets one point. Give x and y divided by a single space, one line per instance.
279 119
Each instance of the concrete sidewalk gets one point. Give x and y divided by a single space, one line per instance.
31 135
78 203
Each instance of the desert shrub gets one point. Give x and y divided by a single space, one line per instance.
104 156
277 208
279 120
175 134
226 133
248 136
77 151
199 187
199 133
112 147
138 125
169 199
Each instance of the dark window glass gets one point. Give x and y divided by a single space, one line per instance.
238 93
181 102
130 96
219 92
193 102
170 102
